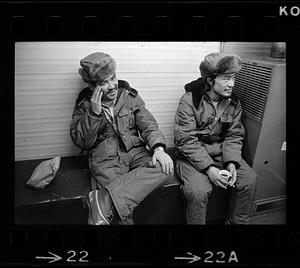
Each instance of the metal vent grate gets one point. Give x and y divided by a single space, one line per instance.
252 88
270 204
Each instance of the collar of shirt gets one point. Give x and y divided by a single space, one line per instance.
232 99
109 111
208 99
112 105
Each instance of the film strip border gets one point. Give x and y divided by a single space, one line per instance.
234 21
160 21
143 245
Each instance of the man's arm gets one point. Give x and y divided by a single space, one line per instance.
186 139
85 125
147 126
233 142
151 134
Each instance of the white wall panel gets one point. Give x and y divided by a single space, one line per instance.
47 84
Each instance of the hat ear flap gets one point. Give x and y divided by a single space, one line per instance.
210 81
84 75
205 69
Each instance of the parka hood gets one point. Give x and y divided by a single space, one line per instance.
197 87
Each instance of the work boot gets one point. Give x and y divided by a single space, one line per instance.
126 221
101 207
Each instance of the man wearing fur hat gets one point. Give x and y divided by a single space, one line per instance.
209 137
111 122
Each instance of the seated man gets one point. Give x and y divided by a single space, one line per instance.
111 122
209 137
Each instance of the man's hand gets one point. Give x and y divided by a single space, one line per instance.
232 170
216 179
164 159
96 100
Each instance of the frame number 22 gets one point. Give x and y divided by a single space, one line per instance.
82 256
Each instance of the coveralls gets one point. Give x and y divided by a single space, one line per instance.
118 158
205 136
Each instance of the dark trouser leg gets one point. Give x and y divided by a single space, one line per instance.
196 189
242 197
129 190
104 172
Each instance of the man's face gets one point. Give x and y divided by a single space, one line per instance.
109 87
223 85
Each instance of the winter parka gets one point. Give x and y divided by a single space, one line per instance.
135 125
202 133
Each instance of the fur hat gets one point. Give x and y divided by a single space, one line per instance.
220 63
97 67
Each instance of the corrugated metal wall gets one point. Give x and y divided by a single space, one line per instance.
248 49
47 84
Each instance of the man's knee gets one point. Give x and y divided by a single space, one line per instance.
249 180
196 195
163 177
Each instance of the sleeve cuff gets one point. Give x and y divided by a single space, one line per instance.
91 113
206 169
158 145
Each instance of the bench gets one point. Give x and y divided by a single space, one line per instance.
63 201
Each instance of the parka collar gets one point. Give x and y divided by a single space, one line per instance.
197 88
233 98
124 91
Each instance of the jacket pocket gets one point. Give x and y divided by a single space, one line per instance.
126 119
226 122
99 153
226 118
106 150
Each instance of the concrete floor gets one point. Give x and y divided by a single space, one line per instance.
275 217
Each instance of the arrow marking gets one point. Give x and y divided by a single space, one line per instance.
192 259
53 258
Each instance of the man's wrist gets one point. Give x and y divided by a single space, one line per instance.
159 148
93 113
207 169
159 144
230 164
236 164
